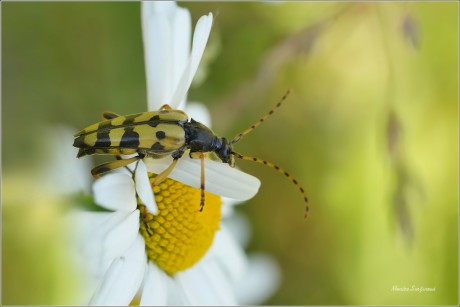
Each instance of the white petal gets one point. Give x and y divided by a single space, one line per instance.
157 37
220 178
144 189
176 295
121 236
158 7
86 238
65 174
239 227
182 33
206 284
228 207
155 290
115 192
229 254
231 202
166 34
105 236
200 38
198 112
260 282
123 278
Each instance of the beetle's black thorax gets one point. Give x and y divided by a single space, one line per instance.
199 138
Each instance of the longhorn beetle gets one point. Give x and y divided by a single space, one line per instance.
161 133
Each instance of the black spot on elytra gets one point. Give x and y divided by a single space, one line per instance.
103 139
105 125
163 111
130 138
129 120
157 147
154 121
160 135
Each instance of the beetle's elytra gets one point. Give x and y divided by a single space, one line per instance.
161 133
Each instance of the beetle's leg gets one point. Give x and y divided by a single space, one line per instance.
201 156
146 221
103 168
165 107
109 115
164 174
202 181
118 157
196 155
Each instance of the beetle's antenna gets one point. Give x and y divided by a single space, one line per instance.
260 121
279 170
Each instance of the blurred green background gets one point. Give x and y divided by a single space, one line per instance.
370 129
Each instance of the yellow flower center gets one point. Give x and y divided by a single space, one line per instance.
179 234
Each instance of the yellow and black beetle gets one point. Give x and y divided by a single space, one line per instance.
161 133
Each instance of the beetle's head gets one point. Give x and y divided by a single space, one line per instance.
225 152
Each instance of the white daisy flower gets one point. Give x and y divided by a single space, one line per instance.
155 247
